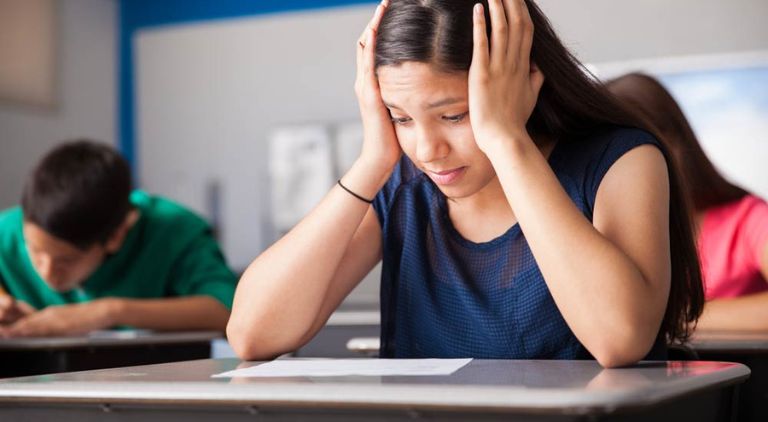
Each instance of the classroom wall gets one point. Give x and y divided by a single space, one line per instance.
209 93
610 30
86 94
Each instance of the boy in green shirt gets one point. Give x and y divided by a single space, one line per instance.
83 253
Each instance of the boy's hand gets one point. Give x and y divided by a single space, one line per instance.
61 320
11 310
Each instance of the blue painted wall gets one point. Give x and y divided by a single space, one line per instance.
134 15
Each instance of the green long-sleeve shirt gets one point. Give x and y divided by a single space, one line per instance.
169 252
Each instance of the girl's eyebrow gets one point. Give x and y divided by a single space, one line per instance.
445 102
439 103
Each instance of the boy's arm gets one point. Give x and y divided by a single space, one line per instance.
200 291
10 308
179 314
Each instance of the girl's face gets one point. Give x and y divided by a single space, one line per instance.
430 112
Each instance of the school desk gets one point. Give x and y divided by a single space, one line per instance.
751 349
484 390
102 349
342 327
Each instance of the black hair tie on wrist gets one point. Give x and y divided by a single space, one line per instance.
367 201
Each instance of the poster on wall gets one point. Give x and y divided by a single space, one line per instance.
27 52
348 142
304 163
301 172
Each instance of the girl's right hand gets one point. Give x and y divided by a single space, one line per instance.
381 150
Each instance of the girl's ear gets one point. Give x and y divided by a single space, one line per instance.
536 78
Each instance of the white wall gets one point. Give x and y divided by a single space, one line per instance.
86 100
210 93
609 30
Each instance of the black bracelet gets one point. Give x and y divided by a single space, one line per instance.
367 201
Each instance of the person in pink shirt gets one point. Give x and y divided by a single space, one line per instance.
731 223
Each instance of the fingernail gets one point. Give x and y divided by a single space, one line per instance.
478 9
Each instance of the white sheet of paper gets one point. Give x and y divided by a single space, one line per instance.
345 367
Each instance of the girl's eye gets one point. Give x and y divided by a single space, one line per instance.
457 118
400 120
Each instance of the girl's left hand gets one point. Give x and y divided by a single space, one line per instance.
503 85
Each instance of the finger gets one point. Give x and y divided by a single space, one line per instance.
480 40
377 16
370 45
32 326
7 317
16 329
363 43
499 32
369 59
8 309
520 33
369 51
526 42
25 308
359 63
361 40
374 22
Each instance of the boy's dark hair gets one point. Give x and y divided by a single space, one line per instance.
79 192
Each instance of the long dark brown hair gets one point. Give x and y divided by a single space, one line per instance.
571 103
647 97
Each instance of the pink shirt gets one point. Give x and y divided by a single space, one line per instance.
732 240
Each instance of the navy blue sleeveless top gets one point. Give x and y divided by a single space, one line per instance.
443 296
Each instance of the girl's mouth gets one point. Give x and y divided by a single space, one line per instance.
447 177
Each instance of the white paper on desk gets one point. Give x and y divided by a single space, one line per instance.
345 367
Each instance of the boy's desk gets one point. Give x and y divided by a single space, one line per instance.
483 390
750 349
101 349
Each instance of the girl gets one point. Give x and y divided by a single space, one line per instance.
731 223
516 214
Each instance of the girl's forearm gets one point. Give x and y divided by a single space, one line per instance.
601 292
280 295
